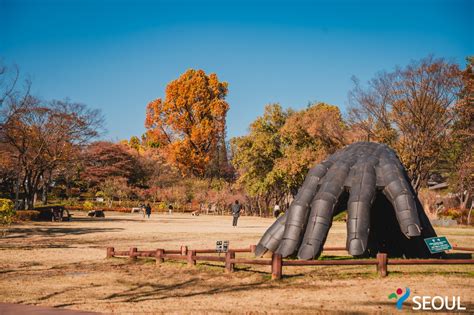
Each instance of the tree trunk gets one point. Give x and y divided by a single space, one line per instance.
30 185
469 216
29 196
44 194
68 189
416 182
17 192
46 183
259 206
465 199
29 202
267 200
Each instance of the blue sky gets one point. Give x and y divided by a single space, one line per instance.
119 55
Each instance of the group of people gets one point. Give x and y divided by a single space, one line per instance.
237 208
236 211
146 210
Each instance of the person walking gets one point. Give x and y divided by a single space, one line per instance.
148 210
236 208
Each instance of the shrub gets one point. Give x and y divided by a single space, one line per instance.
341 216
162 206
88 206
452 213
7 213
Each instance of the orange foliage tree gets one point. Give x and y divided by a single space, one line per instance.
189 124
308 137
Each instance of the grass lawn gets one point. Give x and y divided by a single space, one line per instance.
63 265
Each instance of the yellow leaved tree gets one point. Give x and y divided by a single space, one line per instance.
189 124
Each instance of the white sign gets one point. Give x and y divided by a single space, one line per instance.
222 246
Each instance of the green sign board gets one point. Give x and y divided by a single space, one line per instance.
438 244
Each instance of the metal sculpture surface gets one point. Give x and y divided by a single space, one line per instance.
368 180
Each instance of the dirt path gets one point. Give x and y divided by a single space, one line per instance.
63 265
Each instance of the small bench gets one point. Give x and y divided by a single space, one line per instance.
138 210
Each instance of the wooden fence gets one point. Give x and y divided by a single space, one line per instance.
277 262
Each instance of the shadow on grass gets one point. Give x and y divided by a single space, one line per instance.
146 291
65 290
56 231
435 272
48 296
268 273
91 219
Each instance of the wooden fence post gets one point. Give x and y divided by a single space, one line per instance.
184 250
382 264
277 266
110 252
253 248
159 256
191 260
133 253
229 266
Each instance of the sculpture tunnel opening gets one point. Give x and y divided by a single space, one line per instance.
385 235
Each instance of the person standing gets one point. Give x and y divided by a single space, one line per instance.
236 208
148 210
276 210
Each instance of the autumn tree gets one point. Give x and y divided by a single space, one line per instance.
135 143
8 173
104 160
371 109
157 172
115 188
308 137
14 95
462 139
189 123
255 154
274 158
42 136
411 109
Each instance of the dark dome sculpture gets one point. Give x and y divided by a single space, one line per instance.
384 213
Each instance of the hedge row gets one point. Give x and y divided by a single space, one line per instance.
27 215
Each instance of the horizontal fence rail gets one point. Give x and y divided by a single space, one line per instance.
277 262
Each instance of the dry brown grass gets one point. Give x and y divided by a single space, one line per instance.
63 265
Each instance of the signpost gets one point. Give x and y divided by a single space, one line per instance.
222 246
438 244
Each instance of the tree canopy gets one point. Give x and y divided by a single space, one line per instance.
273 159
410 109
189 123
423 110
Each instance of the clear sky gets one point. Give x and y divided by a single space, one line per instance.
119 55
